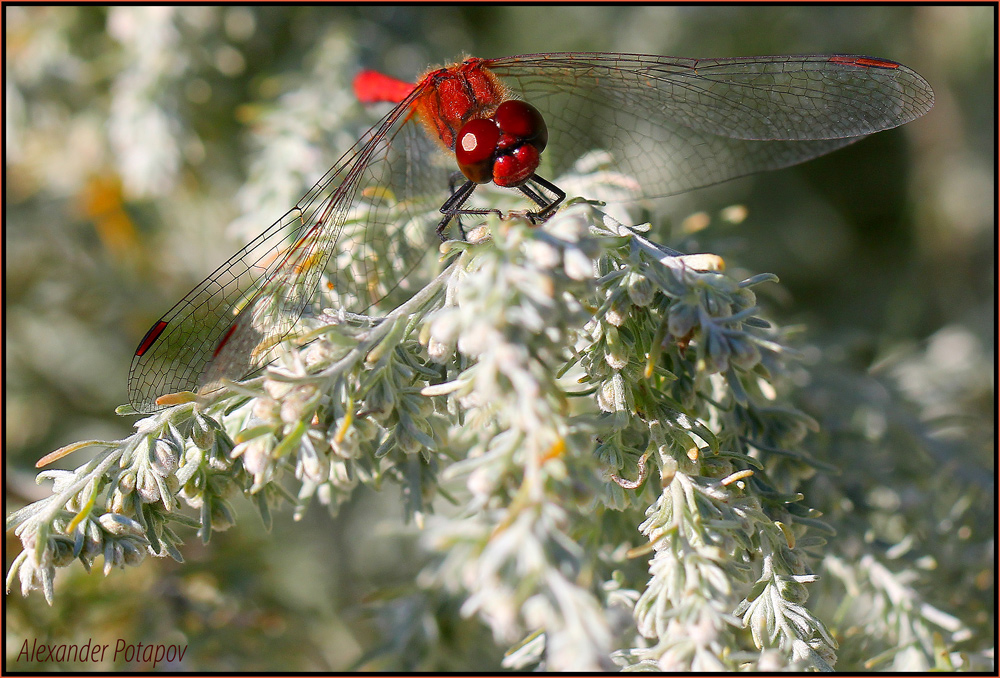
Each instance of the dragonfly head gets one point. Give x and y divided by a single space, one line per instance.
504 148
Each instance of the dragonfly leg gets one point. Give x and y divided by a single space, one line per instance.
536 195
453 207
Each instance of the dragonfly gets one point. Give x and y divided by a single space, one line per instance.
672 124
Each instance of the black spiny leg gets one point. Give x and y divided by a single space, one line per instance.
548 205
452 207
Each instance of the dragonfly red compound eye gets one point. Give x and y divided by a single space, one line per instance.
671 124
523 121
476 148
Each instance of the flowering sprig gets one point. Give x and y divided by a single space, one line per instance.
698 406
529 473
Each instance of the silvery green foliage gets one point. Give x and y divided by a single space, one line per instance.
557 383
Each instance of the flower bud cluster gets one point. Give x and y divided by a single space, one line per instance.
119 539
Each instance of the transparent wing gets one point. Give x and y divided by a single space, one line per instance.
677 124
673 124
373 209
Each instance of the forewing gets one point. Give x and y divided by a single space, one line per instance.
176 350
675 124
367 224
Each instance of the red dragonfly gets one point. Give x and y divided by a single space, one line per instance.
673 124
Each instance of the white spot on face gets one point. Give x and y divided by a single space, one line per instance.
468 142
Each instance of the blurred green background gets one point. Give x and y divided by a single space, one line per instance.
144 145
